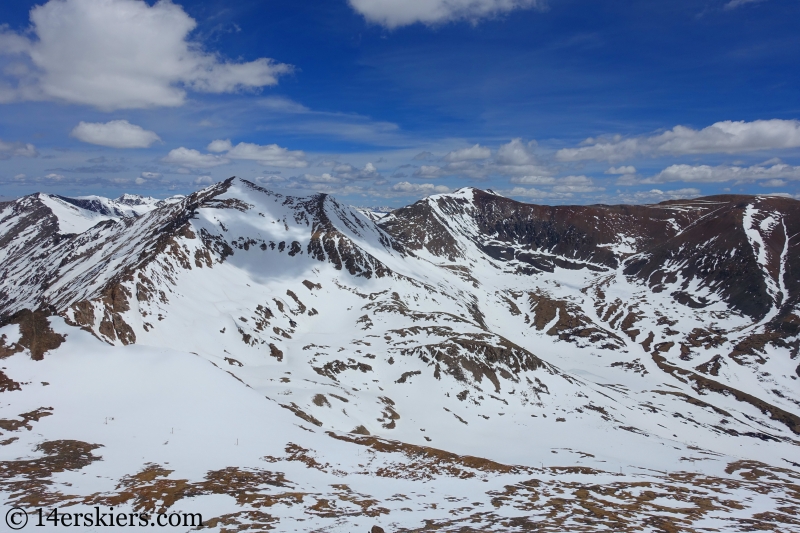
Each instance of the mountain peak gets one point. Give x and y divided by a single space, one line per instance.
136 199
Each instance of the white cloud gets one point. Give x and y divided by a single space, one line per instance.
339 180
429 171
419 188
186 157
556 188
324 178
657 195
575 184
219 146
12 43
115 54
18 149
534 180
464 169
468 154
150 175
723 173
729 137
514 153
115 134
309 182
338 167
516 158
613 149
622 170
576 189
270 155
567 181
395 13
203 180
346 173
773 183
522 192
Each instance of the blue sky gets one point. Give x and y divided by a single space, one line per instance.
381 102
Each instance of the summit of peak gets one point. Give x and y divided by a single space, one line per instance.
136 199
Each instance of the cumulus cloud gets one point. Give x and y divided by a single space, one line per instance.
270 155
17 149
429 171
516 158
513 159
187 157
350 173
468 154
419 188
395 13
114 134
116 54
723 173
729 137
515 153
150 175
219 146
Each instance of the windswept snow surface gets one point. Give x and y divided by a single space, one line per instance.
290 363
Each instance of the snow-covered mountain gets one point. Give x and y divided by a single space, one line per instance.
466 363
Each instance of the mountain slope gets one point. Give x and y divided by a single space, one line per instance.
599 338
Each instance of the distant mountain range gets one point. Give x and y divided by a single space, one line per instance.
465 363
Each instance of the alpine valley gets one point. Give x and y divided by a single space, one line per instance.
467 363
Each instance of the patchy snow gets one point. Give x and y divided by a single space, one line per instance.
71 218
